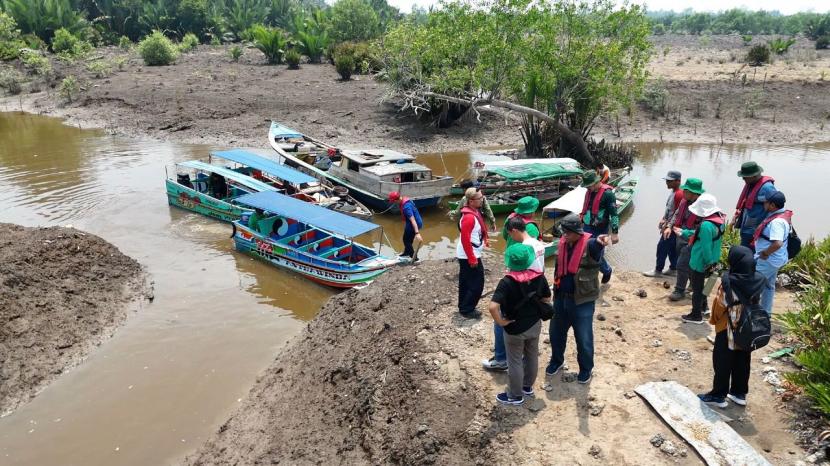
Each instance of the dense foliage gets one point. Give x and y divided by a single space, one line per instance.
157 50
10 43
813 25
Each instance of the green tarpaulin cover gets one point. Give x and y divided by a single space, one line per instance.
534 172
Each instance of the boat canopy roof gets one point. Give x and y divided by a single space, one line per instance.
372 156
307 213
280 131
571 202
267 166
534 171
244 180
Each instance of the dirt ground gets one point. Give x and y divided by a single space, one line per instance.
206 98
391 374
62 293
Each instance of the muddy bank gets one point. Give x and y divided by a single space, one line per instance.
62 292
206 98
391 374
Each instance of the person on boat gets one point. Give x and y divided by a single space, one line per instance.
468 250
514 311
254 219
184 180
517 229
575 291
486 211
599 214
704 250
770 241
740 287
749 212
603 172
667 243
218 186
524 210
685 219
412 223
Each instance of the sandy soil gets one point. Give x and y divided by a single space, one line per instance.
387 374
205 98
62 293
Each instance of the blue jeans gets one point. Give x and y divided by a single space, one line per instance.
566 315
666 249
770 272
594 231
500 353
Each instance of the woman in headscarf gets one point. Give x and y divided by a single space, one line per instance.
740 287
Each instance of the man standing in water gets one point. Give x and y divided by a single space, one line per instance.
412 223
667 244
749 213
684 219
599 214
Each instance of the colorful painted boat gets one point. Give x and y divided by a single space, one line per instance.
292 182
369 174
573 201
310 240
211 190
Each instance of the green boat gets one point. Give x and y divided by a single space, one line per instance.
573 201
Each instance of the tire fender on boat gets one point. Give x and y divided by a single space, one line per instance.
233 227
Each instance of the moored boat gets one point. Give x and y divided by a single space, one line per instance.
310 240
369 174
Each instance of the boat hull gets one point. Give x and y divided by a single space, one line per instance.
194 201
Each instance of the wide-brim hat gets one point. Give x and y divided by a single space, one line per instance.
750 169
519 256
572 223
527 205
705 206
589 178
693 185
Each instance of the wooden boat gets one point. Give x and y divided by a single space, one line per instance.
573 201
211 190
293 183
310 240
369 174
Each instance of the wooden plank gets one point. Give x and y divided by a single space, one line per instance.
713 439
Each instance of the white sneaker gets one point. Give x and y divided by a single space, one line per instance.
653 273
737 399
493 365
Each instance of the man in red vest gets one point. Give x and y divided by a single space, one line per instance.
749 213
684 219
468 251
770 241
599 214
667 244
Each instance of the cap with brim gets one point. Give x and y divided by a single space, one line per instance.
519 256
394 196
777 198
527 205
589 178
750 169
693 185
672 175
572 223
705 206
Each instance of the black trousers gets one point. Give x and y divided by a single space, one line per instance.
697 279
470 285
731 368
408 238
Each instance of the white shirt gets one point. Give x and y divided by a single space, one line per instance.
538 264
475 238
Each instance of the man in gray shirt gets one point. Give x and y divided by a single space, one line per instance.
666 245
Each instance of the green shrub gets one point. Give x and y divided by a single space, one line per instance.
823 42
658 29
67 43
656 97
313 45
292 57
364 55
11 81
747 39
189 42
43 17
758 55
780 45
345 66
119 62
10 42
157 50
99 68
215 40
354 20
35 63
272 42
125 43
192 16
69 88
235 52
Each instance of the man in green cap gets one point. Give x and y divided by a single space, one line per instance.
524 210
684 219
750 212
599 214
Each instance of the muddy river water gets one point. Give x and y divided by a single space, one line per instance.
178 367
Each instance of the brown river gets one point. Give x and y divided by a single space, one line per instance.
174 372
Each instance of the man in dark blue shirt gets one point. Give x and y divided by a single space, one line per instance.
412 223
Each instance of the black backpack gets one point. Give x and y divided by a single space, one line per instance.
793 242
543 310
753 328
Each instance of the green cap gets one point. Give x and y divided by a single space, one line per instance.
749 169
693 185
519 256
527 205
589 178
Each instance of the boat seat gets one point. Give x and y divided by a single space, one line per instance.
310 246
291 238
200 186
333 252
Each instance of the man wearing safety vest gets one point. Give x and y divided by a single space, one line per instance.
524 210
412 223
599 214
667 244
686 220
575 291
749 212
704 250
468 250
771 244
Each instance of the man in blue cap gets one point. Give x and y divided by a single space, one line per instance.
667 244
750 212
770 240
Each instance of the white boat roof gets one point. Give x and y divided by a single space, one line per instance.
369 156
546 161
572 201
388 168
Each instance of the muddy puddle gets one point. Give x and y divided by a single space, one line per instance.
175 371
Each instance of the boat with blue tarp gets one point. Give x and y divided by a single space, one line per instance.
315 242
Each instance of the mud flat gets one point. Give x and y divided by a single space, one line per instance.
62 293
391 374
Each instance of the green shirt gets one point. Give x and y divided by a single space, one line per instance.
607 212
253 221
531 228
706 250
